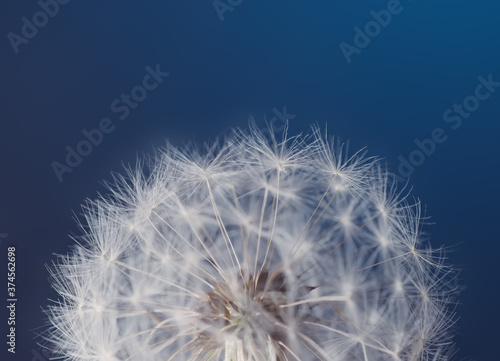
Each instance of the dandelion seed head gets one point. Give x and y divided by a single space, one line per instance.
252 249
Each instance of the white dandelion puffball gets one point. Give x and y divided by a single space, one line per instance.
253 249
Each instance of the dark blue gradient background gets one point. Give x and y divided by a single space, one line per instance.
261 57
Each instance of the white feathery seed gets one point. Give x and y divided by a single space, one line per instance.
253 249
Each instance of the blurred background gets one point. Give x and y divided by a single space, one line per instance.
416 82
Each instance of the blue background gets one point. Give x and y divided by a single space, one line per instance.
260 57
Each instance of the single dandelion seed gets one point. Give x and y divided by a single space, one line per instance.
253 249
